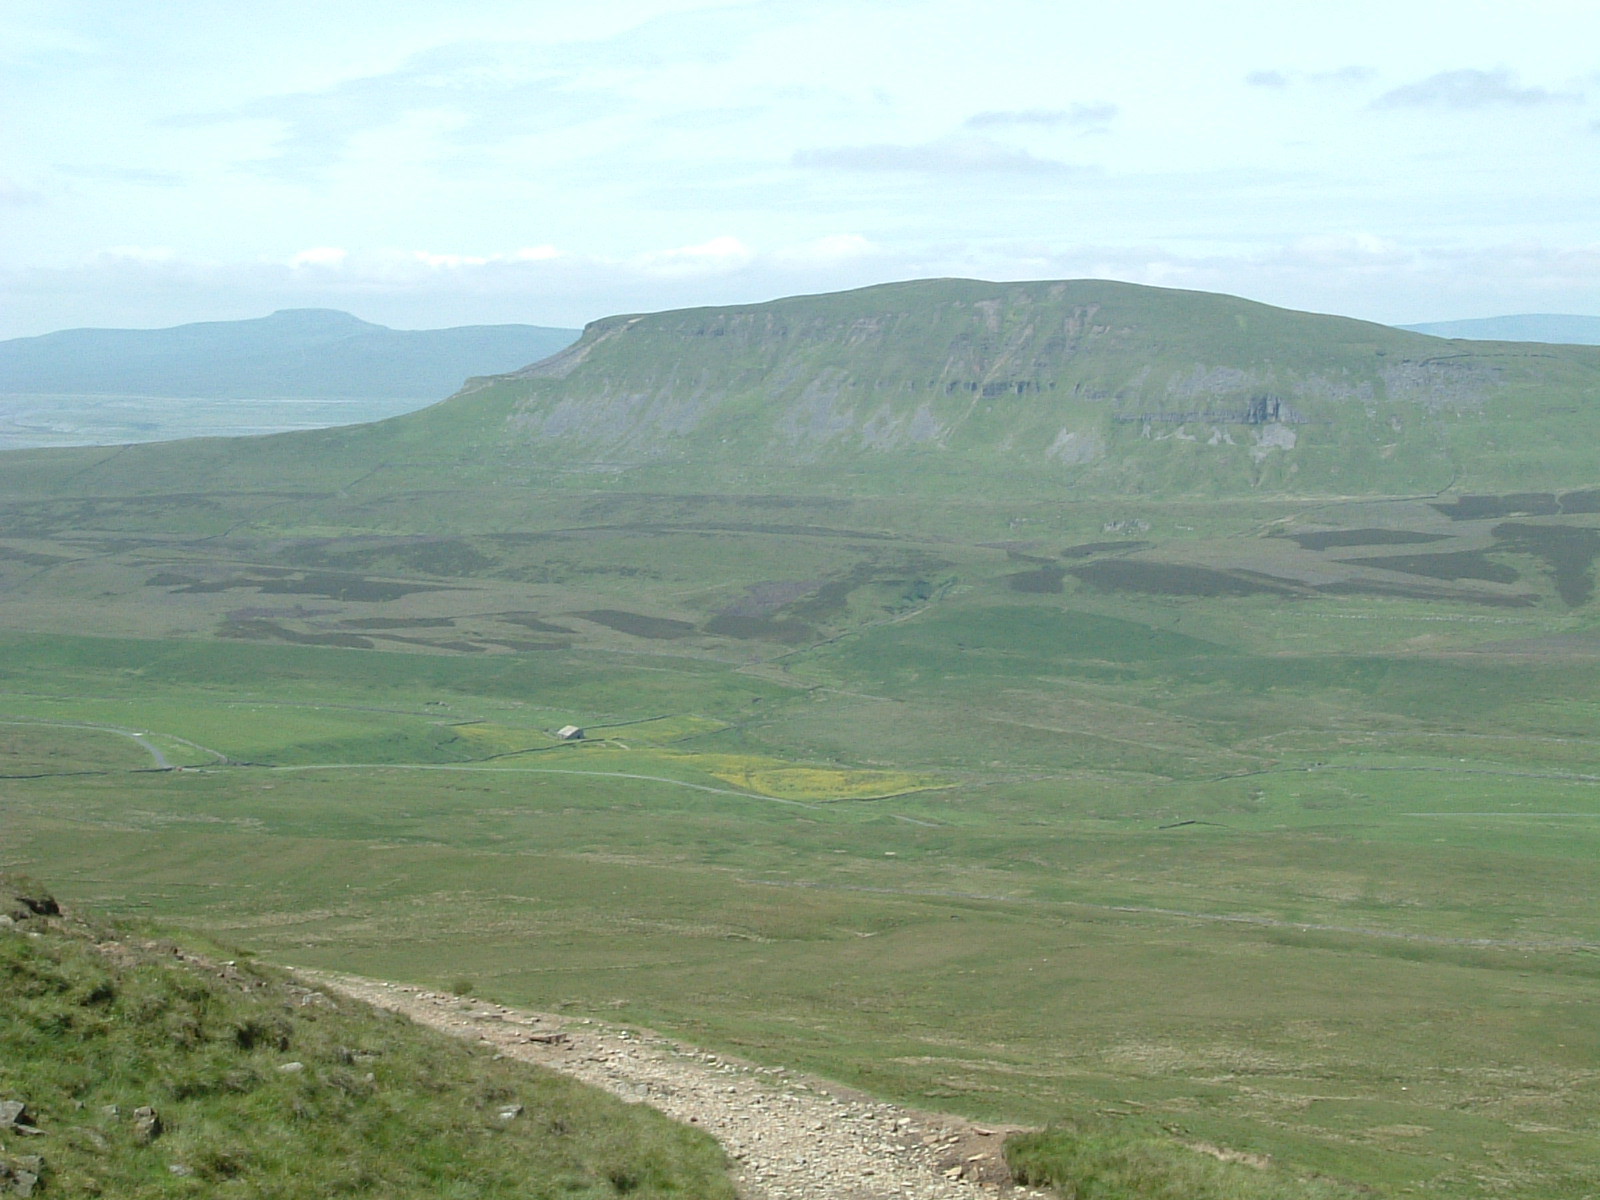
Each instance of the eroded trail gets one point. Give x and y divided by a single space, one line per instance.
791 1137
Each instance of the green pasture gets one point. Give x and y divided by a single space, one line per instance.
30 748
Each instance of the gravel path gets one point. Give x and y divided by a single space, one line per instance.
789 1136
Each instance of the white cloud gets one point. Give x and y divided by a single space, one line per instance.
1267 79
141 254
1345 250
1336 75
104 173
474 94
1555 267
719 254
1354 73
526 254
1092 116
489 92
832 250
319 256
1027 116
947 156
14 193
1470 88
452 262
29 38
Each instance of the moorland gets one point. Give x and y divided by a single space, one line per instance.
1044 702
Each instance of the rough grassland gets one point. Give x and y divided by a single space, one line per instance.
1301 877
152 1070
1106 1161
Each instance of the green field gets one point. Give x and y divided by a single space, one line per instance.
1268 818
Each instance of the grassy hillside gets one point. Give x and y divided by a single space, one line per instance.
150 1069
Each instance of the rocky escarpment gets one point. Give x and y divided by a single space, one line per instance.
1076 380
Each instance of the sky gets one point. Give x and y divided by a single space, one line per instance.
424 165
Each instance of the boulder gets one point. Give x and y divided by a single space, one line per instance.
14 1115
147 1126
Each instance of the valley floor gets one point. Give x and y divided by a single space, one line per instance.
1275 823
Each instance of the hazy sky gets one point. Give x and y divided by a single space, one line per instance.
424 164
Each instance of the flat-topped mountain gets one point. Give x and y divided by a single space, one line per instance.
1010 387
304 352
1089 383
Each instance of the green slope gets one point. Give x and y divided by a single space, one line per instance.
149 1069
1103 387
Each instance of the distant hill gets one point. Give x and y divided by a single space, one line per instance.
1557 328
310 353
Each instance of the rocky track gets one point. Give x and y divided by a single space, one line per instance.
789 1137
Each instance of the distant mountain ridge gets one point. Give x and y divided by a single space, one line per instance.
1064 388
1556 328
294 353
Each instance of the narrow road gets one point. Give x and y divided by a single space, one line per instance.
789 1136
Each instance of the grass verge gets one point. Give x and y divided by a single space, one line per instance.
1130 1160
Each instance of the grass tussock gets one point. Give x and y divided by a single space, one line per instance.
150 1070
1129 1160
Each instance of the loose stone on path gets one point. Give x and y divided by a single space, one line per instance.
789 1137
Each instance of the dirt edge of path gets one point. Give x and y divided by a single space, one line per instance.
788 1136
